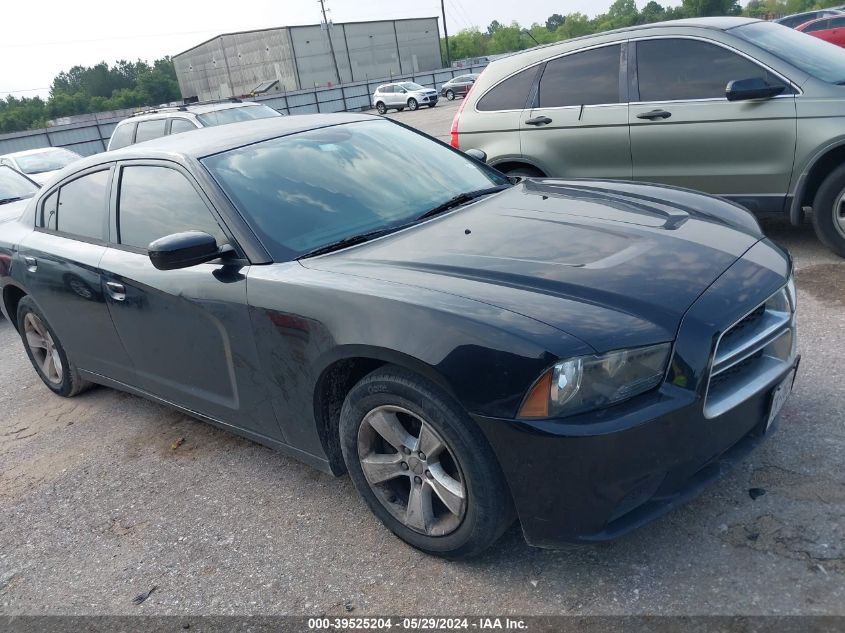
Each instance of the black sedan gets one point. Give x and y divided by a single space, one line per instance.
581 355
458 86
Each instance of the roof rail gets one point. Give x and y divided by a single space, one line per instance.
183 107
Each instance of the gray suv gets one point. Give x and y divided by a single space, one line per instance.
745 109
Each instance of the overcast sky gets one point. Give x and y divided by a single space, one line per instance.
38 40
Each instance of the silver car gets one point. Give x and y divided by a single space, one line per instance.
405 94
40 164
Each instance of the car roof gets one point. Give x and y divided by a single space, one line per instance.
182 110
37 150
212 140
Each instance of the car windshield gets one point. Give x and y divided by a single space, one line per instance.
234 115
305 191
816 57
48 160
410 85
13 186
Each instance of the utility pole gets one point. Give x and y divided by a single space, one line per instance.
331 44
446 33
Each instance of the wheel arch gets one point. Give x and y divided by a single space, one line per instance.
12 295
818 168
506 164
341 370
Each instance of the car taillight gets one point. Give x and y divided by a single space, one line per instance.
454 131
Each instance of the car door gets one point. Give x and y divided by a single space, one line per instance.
60 269
187 331
685 132
834 32
576 125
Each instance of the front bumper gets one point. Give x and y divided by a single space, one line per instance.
582 483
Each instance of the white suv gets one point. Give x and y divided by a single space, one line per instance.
405 94
163 121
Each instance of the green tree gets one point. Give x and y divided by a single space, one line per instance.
555 21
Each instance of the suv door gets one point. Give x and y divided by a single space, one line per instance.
685 132
577 123
187 331
60 268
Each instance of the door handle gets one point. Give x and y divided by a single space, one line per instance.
654 115
116 291
31 264
540 120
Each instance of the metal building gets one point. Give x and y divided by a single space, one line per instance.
300 57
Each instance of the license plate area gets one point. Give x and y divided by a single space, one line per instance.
780 394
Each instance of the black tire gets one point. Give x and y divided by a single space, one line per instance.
381 108
412 104
450 95
524 171
431 105
70 383
400 109
487 509
827 207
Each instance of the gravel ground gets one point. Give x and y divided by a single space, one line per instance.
100 502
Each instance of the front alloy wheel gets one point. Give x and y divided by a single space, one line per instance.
422 465
412 104
411 471
450 95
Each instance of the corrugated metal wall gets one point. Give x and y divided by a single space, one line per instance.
300 57
92 137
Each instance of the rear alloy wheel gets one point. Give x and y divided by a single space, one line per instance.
382 109
422 465
450 95
412 104
46 353
829 212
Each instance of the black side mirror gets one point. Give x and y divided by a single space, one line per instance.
183 250
477 154
754 88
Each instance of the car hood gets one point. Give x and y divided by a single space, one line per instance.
12 210
613 264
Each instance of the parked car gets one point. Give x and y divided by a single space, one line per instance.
759 123
797 19
40 164
831 29
167 120
405 94
587 354
15 190
458 86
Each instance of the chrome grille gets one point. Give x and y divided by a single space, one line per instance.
752 353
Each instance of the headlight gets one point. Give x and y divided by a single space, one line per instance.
592 382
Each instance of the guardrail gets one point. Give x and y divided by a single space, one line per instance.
92 137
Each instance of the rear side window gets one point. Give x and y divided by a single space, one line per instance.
122 136
386 89
671 70
836 23
150 129
821 25
587 78
158 201
177 126
511 94
79 207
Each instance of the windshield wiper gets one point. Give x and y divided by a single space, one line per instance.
8 200
352 240
461 198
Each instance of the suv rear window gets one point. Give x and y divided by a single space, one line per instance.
511 94
587 78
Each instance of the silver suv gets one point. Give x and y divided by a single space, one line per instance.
166 120
405 94
745 109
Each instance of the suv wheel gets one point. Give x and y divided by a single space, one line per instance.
422 466
450 95
829 211
46 353
412 104
382 109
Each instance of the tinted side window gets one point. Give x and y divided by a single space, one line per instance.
836 23
511 94
177 126
82 206
150 129
586 78
158 201
672 70
821 25
50 211
386 89
122 136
